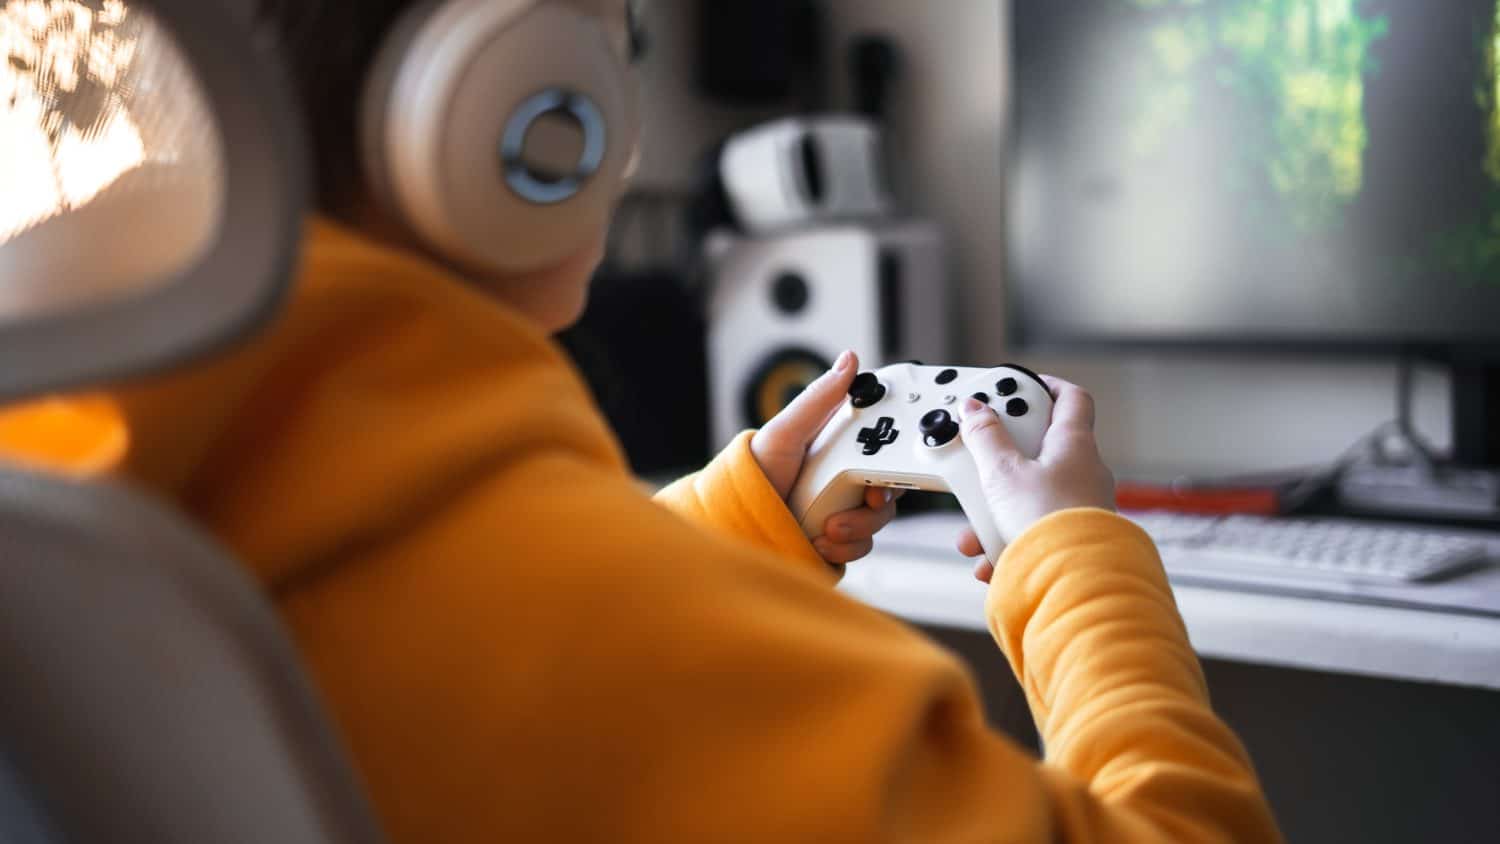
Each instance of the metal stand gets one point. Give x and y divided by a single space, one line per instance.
1397 474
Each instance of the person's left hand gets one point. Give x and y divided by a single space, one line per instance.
781 446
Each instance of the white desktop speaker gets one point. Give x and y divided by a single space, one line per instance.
783 308
800 171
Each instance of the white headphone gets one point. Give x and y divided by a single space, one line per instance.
502 132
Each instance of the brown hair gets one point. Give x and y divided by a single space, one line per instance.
330 46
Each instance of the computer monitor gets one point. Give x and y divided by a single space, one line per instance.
1262 174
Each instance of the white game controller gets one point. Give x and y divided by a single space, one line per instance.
900 429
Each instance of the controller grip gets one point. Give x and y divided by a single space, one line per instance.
814 506
837 496
977 510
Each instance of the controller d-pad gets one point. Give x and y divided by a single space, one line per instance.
882 434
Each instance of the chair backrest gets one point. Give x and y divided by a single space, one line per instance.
151 197
149 691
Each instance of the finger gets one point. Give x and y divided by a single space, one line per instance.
986 438
877 497
984 571
842 553
1073 417
1072 406
795 426
968 544
860 524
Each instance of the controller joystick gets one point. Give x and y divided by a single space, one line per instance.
858 449
866 391
938 428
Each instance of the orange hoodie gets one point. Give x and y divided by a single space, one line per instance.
520 645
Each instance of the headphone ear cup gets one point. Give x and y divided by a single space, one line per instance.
483 88
377 108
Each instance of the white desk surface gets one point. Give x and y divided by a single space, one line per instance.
929 585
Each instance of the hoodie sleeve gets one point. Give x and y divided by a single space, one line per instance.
1081 607
732 496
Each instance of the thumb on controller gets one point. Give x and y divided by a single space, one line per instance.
994 452
988 440
800 422
781 444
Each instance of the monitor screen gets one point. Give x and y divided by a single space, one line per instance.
1256 171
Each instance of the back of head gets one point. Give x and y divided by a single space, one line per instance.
497 134
330 47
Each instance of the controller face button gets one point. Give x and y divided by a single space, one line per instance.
866 391
938 429
982 398
1032 375
1007 387
947 376
1017 407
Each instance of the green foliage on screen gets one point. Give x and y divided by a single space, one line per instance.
1300 63
1470 253
1303 66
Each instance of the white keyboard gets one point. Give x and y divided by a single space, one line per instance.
1308 548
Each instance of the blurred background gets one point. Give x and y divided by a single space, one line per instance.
1245 402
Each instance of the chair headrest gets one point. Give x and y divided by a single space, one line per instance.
154 182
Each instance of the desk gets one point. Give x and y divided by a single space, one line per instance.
913 577
1366 723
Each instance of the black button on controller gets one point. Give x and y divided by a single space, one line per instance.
1007 387
982 398
1017 407
866 391
938 428
1029 374
947 376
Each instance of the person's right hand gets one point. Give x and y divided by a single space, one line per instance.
1021 492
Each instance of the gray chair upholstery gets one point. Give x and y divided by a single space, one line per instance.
148 692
